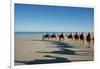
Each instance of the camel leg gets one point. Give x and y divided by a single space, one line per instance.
75 43
88 44
55 38
59 39
48 38
83 42
42 38
63 39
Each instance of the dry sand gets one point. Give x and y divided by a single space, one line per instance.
34 50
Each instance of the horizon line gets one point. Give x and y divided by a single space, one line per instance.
53 31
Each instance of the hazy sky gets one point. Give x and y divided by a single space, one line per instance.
43 18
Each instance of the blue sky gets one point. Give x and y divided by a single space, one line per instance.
43 18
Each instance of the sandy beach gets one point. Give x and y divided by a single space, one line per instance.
34 50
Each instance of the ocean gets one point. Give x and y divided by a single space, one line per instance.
40 33
35 33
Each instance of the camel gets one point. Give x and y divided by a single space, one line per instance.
61 36
76 38
81 37
53 36
47 36
93 39
70 36
88 39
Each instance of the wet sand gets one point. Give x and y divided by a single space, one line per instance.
34 50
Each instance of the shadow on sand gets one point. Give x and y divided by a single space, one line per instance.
55 60
62 50
59 44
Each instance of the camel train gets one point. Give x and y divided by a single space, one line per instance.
76 37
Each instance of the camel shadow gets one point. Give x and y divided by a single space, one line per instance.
61 51
55 59
61 44
62 48
58 43
45 61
